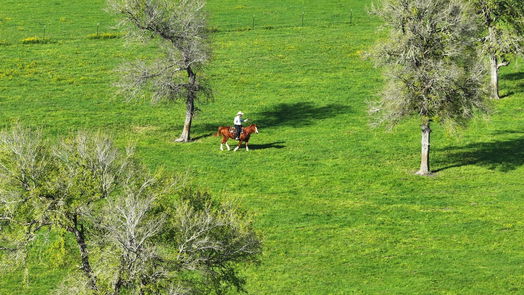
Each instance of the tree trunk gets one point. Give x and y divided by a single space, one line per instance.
190 107
494 69
424 156
84 255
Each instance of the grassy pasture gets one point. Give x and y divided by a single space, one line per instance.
336 202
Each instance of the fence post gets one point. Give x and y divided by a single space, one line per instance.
44 30
97 29
303 18
253 22
351 16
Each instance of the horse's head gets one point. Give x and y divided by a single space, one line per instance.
254 128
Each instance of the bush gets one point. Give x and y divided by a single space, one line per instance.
212 30
35 40
104 36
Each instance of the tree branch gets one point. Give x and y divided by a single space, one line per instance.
503 64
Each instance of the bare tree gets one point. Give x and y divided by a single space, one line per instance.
55 188
192 249
432 70
178 27
137 232
24 167
503 23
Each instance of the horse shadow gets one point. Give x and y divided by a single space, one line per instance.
273 145
299 114
502 155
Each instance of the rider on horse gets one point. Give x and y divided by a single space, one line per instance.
238 124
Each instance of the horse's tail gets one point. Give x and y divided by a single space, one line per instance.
218 132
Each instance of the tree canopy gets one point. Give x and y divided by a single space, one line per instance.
136 231
430 63
502 29
179 29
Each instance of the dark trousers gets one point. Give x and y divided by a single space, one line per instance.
239 130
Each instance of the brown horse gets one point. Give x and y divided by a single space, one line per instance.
228 132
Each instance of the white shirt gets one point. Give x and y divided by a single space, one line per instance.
238 121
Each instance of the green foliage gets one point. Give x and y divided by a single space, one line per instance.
57 252
432 69
503 25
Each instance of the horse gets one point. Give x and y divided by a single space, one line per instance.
228 132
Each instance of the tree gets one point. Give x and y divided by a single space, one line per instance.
503 23
178 27
137 232
431 67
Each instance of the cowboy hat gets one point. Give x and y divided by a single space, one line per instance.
240 114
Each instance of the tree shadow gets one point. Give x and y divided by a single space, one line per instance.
513 76
298 114
504 155
505 132
201 136
198 130
273 145
515 86
510 93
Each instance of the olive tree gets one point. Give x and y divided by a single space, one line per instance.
178 28
136 232
431 68
502 35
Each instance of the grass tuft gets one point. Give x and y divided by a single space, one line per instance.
36 40
104 36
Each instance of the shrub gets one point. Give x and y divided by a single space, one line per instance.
35 40
104 36
212 30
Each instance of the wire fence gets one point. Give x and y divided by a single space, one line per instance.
73 28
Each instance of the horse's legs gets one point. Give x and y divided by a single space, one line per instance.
224 141
247 149
238 146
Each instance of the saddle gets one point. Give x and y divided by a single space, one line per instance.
233 130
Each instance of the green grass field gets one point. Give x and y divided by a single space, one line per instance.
336 202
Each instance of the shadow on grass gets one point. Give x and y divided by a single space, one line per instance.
298 114
504 156
515 87
510 93
505 132
514 76
202 127
202 136
273 145
198 130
